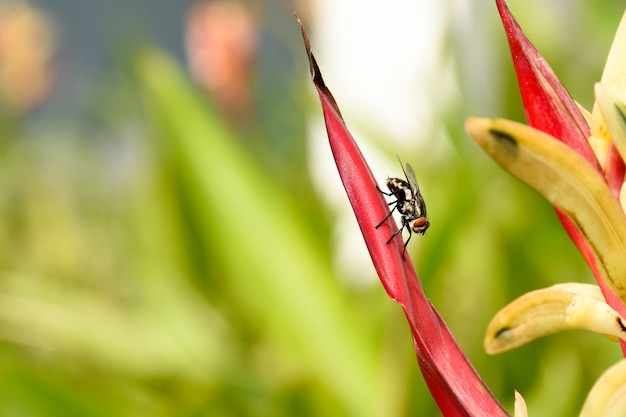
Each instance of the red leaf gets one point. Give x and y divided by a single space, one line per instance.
451 378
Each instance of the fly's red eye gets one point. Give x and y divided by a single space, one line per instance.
421 222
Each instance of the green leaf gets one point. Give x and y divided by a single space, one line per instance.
278 275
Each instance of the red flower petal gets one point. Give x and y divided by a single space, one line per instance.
547 104
451 378
615 170
551 109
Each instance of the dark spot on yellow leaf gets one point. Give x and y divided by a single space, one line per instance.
507 141
501 331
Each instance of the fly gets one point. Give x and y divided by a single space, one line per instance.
409 203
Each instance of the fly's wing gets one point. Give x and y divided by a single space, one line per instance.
419 200
410 177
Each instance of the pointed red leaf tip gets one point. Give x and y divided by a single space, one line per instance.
547 104
451 378
368 204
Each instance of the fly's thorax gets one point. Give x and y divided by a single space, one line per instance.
400 189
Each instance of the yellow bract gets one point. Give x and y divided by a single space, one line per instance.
613 112
568 181
607 398
520 406
536 314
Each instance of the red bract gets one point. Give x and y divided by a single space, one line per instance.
451 378
547 104
551 109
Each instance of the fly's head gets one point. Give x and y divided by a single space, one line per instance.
420 225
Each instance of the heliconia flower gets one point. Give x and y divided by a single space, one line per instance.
575 159
451 378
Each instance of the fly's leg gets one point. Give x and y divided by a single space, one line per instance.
385 219
382 192
404 223
407 241
389 204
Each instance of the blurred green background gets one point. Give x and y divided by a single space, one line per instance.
163 248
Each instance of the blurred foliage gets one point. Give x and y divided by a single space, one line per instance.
161 259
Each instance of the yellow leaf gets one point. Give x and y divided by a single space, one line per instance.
535 314
568 181
607 398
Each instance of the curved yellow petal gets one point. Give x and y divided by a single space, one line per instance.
614 81
567 181
607 398
600 147
535 314
614 114
600 140
614 74
595 315
520 406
